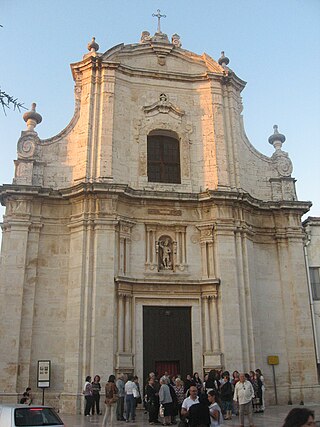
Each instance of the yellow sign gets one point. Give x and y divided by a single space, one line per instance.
273 360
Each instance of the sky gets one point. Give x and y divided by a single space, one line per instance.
273 45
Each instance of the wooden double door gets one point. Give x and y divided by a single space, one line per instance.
167 340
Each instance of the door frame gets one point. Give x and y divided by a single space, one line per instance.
196 327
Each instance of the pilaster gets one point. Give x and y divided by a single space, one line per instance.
231 316
13 273
28 301
103 310
77 324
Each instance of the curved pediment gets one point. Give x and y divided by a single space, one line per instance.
164 57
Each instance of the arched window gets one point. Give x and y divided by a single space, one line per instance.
163 157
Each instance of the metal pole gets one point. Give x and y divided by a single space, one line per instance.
42 396
275 385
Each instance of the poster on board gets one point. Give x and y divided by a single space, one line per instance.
44 372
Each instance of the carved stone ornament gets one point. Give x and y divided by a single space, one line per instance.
165 253
163 106
27 145
175 39
145 37
282 163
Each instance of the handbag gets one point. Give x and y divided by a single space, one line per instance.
135 392
161 411
256 401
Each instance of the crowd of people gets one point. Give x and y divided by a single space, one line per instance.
194 402
190 402
171 400
122 396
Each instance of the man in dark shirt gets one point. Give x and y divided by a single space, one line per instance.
199 415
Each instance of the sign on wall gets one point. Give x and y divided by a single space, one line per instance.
273 360
44 371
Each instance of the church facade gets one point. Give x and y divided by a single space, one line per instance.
150 234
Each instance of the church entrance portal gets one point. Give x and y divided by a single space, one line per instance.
167 343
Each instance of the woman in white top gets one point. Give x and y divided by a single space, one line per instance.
216 416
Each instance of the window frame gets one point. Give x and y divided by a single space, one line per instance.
159 145
314 273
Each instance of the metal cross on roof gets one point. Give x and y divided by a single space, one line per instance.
159 16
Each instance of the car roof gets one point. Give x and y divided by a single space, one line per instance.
21 405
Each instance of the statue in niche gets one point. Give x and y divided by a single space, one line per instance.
165 253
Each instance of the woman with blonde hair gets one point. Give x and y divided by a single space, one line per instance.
179 390
166 401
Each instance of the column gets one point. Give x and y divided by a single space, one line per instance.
179 248
215 324
147 246
184 248
128 323
210 259
153 248
120 323
121 256
207 325
203 246
127 265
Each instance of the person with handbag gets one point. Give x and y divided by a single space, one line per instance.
166 402
110 401
87 392
137 392
130 391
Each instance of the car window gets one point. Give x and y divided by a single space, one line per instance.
30 416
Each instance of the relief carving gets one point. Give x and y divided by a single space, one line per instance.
163 106
27 144
282 163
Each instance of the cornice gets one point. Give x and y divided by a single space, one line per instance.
212 70
312 220
122 190
165 280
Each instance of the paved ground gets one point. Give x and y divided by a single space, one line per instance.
272 417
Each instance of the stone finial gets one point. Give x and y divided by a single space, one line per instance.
145 37
276 139
223 60
32 118
93 46
175 39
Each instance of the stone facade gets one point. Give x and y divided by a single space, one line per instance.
88 241
312 256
